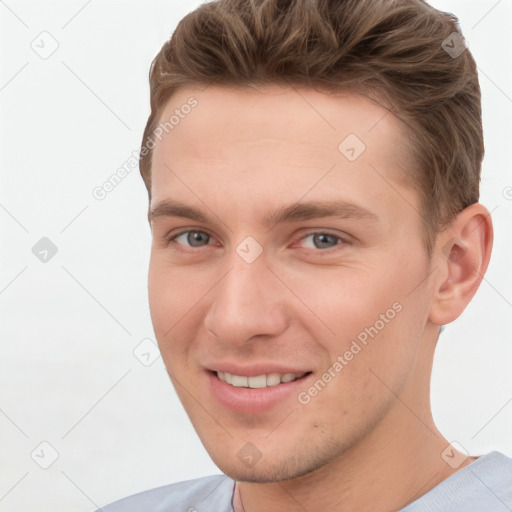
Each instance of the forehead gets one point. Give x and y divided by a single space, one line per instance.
275 143
277 117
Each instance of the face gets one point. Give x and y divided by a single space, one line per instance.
287 274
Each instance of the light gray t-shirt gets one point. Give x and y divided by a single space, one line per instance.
485 485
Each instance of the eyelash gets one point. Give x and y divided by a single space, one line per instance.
340 240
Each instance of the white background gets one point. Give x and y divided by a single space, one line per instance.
69 326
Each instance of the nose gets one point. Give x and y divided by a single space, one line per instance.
247 303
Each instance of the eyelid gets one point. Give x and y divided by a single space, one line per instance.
172 237
344 239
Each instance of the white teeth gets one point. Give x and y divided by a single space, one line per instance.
239 381
273 379
259 381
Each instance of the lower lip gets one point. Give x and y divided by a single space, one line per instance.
254 400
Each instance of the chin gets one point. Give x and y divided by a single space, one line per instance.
269 469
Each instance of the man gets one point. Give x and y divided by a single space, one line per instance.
313 171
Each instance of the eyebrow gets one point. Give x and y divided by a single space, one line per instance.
289 213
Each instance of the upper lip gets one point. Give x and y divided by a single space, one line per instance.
254 370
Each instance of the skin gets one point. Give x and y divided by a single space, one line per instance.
367 440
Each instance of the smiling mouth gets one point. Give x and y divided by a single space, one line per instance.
259 381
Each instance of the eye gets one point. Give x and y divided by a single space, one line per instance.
321 241
315 241
191 238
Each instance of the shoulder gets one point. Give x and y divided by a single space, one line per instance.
486 484
210 493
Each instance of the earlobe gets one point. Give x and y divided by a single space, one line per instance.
462 255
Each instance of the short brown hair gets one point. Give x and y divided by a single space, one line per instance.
392 50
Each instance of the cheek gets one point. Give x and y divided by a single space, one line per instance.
369 318
367 375
172 291
161 298
344 302
176 302
169 301
381 355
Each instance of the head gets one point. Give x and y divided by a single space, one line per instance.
312 170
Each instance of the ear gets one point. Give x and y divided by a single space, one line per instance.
461 257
